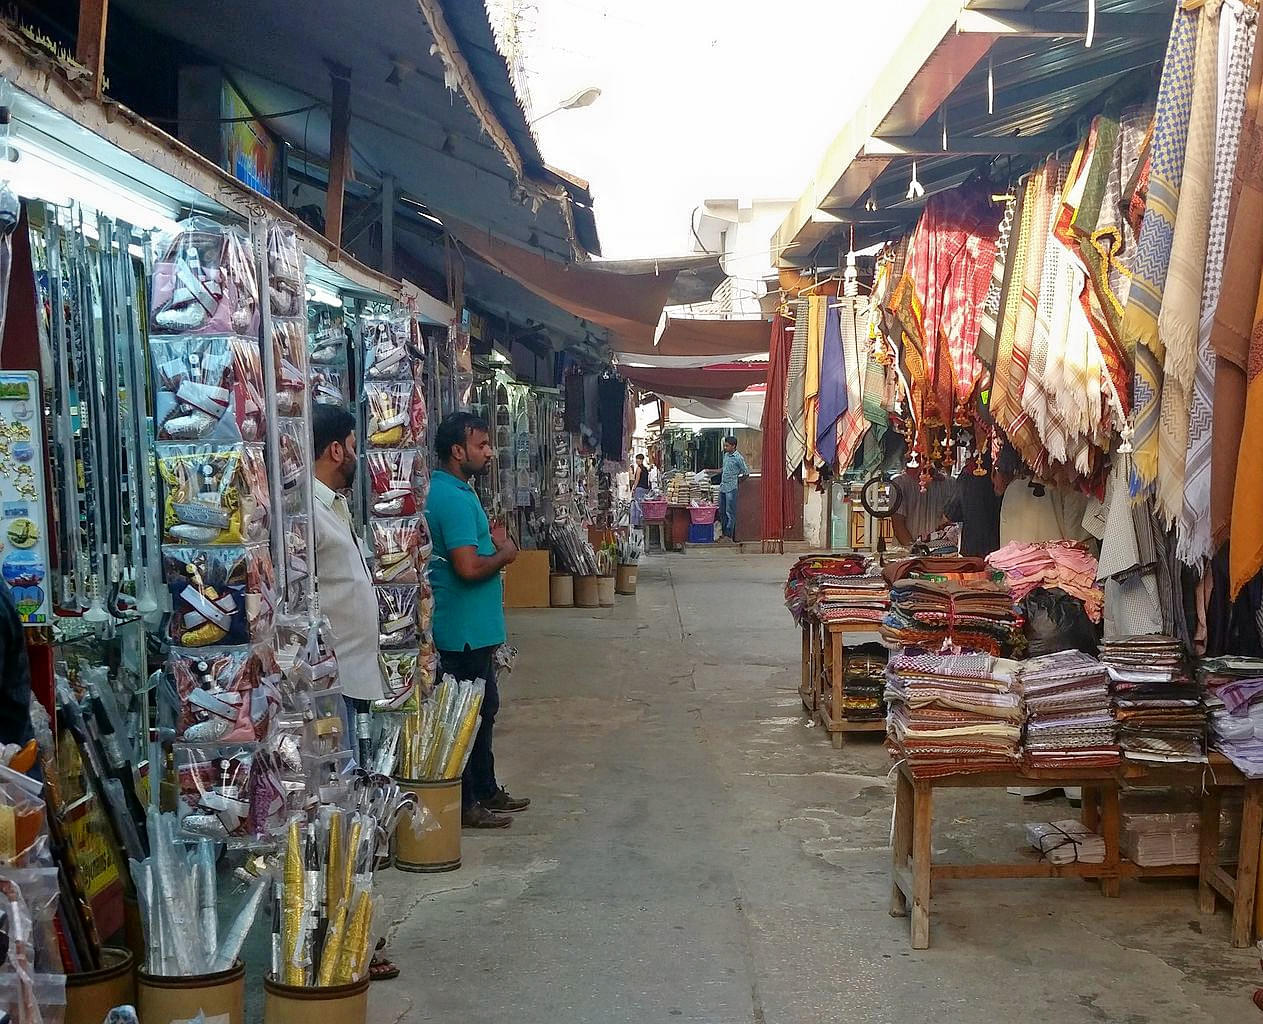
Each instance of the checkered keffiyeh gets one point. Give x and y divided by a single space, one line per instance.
1144 301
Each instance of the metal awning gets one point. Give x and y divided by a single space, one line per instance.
465 150
999 80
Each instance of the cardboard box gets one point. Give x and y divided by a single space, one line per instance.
526 581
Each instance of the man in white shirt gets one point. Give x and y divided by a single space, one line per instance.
346 588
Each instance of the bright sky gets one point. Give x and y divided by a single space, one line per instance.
700 99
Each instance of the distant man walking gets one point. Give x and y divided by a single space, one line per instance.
640 490
468 600
735 470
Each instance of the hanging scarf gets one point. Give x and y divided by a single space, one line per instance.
853 423
1237 34
795 381
989 314
1234 316
1181 299
817 305
1021 430
833 397
1001 404
773 431
1144 302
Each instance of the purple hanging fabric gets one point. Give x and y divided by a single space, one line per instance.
833 400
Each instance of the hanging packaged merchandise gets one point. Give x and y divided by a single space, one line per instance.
439 737
204 282
285 270
214 494
427 665
397 616
219 596
326 334
399 678
289 347
291 438
425 544
217 793
328 385
395 543
295 555
207 389
420 415
425 605
386 350
389 415
393 478
224 695
306 658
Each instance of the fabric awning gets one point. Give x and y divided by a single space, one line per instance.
744 409
628 305
720 381
699 337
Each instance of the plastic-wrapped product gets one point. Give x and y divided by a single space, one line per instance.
397 616
204 282
225 696
392 474
326 333
328 385
213 494
420 416
294 469
285 270
395 543
399 678
215 792
207 389
219 596
289 346
386 351
389 415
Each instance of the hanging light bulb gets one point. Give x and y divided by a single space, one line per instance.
990 87
1087 39
915 189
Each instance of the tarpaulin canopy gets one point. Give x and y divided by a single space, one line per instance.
628 305
696 337
720 381
743 410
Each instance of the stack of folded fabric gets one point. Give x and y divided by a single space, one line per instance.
953 714
840 572
1053 565
957 602
859 599
1233 692
1155 840
1156 701
863 684
1069 721
1066 842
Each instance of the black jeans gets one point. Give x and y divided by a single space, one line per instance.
479 781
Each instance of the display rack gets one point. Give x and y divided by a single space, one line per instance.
825 647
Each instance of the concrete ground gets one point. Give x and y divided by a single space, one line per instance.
696 853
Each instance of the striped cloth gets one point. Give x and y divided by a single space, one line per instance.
853 422
1000 405
1140 319
795 381
1237 35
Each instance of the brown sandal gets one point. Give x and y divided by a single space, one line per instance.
381 969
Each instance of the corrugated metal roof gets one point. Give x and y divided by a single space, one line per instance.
1042 87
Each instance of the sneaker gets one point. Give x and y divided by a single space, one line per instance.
479 817
502 802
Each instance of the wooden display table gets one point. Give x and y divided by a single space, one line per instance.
823 679
913 871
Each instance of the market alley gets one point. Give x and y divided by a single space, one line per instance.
695 853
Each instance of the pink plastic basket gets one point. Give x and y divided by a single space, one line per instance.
704 515
654 510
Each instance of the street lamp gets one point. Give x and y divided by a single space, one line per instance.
583 98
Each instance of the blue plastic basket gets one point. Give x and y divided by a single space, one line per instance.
701 533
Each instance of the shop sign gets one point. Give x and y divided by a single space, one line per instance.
250 151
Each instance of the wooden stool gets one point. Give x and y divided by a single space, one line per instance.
660 525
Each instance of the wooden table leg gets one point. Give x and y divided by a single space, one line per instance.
1109 830
922 858
837 671
1208 851
1090 811
1246 907
803 688
901 842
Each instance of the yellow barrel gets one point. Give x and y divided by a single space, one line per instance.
90 995
337 1004
167 998
437 849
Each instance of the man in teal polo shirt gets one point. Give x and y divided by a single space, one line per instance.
468 599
